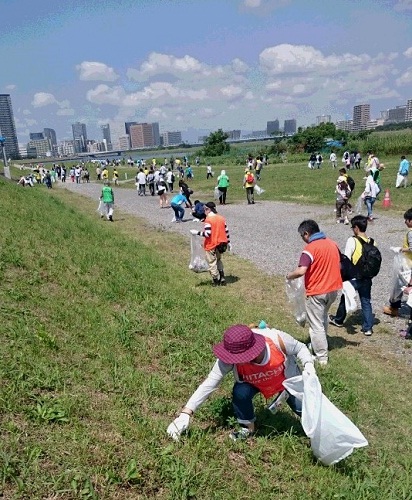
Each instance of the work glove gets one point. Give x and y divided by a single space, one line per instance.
310 369
194 231
396 249
179 425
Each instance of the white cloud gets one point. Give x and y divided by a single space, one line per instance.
10 87
231 92
408 52
252 3
103 94
26 112
96 71
41 99
405 79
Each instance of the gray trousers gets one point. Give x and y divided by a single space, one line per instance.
317 308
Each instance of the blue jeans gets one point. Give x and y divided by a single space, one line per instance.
243 394
179 211
363 287
369 204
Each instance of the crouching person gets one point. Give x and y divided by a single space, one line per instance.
260 359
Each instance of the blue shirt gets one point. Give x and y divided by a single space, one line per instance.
178 199
404 167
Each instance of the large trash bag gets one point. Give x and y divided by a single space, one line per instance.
333 436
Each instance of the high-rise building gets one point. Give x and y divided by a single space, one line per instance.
156 134
40 145
36 136
361 116
289 127
323 119
124 142
141 135
408 114
50 134
172 138
107 138
79 137
127 126
272 128
8 127
397 115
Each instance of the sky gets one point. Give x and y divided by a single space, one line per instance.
200 65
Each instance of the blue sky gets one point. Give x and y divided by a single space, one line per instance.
200 65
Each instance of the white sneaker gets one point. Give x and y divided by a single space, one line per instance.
368 333
173 220
346 221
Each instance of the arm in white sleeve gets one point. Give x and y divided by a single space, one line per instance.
209 385
350 247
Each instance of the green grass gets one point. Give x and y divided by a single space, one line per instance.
289 182
106 333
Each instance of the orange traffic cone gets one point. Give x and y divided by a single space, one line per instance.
386 203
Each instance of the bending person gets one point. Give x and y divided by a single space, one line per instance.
260 359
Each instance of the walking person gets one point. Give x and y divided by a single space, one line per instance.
362 284
209 172
370 193
222 185
170 179
161 191
260 359
249 184
141 182
217 239
319 263
151 182
107 198
333 160
402 177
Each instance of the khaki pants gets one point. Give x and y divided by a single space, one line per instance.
214 259
317 308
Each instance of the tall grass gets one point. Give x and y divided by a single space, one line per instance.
105 334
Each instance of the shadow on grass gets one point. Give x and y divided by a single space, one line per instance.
353 323
229 281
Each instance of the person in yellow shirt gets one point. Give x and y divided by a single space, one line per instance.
249 184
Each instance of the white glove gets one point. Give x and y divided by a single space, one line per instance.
194 231
229 247
396 249
310 369
179 425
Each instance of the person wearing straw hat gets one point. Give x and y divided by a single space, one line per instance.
260 359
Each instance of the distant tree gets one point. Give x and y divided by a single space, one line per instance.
215 144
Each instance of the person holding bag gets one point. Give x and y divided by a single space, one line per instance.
261 359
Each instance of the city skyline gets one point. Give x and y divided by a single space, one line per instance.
230 65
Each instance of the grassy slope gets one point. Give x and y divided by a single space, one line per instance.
105 335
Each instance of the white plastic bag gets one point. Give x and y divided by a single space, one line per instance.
399 179
309 164
401 275
259 190
349 293
295 291
101 208
198 262
217 193
333 436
